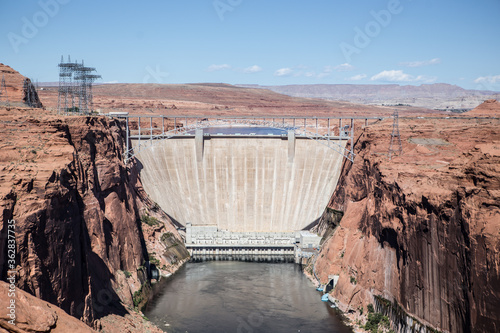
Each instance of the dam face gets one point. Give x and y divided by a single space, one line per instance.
241 184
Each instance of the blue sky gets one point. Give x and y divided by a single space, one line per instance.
272 42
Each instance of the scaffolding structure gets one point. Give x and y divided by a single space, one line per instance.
3 92
395 138
75 87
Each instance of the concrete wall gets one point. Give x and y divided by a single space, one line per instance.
241 184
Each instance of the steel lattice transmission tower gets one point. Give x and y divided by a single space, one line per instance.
75 81
65 99
85 78
3 91
395 138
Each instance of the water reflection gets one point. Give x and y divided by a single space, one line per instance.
233 296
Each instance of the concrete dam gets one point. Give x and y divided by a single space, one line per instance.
236 186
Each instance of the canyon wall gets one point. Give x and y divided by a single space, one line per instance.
423 229
79 235
77 222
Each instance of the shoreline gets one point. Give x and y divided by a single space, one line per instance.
349 319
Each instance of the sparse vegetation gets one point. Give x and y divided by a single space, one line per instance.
73 109
137 298
164 238
149 220
373 322
370 308
154 260
377 322
353 280
127 274
155 208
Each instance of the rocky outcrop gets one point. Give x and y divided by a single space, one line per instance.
19 90
77 221
490 108
34 315
79 233
423 229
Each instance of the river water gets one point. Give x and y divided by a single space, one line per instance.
242 297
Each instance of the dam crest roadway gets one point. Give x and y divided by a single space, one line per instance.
241 186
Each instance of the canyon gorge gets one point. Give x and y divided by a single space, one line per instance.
418 235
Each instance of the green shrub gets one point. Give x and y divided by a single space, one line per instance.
149 220
370 308
127 274
384 322
137 297
154 261
164 238
373 321
353 280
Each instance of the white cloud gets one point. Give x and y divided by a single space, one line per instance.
434 61
356 77
214 68
110 82
488 79
400 76
304 71
393 75
344 67
252 69
323 74
283 72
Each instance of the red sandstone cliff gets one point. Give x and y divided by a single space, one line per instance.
73 203
77 213
16 92
422 229
35 315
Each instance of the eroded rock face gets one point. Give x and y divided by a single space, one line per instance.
424 228
77 221
34 315
16 92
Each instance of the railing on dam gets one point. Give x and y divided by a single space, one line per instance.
329 131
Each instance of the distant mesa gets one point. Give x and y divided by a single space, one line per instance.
438 96
489 108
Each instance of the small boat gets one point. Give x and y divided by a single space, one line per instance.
324 298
